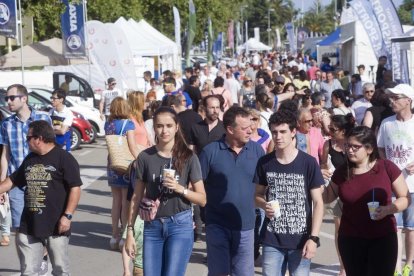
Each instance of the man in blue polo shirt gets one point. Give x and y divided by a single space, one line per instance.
228 167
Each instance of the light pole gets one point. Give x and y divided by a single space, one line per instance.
268 25
241 18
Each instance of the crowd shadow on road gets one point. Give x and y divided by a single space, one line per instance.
94 235
83 166
318 269
98 192
96 210
327 221
9 270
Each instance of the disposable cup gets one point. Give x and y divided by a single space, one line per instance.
372 207
168 173
276 207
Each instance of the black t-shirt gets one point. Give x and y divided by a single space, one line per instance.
200 136
290 184
48 179
187 119
195 95
149 170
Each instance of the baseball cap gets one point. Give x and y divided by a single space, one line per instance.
280 79
402 89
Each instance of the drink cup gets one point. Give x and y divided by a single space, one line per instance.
168 172
372 207
276 207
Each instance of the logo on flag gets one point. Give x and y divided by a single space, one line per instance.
4 14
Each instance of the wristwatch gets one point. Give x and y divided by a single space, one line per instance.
185 192
315 239
68 216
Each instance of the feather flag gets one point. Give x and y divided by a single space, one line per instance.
191 30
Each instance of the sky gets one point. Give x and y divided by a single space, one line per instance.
309 3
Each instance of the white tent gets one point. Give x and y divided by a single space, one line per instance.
48 52
255 45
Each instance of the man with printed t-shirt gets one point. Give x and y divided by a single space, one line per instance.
293 179
395 142
108 96
52 181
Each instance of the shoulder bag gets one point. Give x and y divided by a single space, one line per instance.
120 156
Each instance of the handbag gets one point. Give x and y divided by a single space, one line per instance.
148 209
120 156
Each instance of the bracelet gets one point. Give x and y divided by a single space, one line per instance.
130 227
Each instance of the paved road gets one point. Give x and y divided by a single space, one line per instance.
91 227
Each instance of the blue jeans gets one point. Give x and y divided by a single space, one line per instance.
276 260
168 243
405 219
229 252
5 223
16 197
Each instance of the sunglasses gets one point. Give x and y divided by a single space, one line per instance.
12 98
280 83
353 147
333 130
308 121
29 137
54 98
114 83
369 91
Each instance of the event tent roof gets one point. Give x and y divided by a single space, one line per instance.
331 38
48 52
255 45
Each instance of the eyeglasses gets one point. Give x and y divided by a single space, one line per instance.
12 98
308 121
397 97
29 137
248 80
114 83
54 98
353 147
369 91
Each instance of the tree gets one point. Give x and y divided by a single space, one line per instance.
317 19
404 12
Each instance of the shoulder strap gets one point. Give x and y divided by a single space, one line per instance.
224 90
123 126
264 118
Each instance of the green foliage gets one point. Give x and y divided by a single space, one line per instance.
320 19
404 12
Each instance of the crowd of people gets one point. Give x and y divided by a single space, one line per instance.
252 153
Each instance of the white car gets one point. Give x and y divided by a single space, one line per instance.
90 113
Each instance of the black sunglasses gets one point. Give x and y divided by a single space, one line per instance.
13 97
29 137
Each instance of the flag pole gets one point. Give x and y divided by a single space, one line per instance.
21 40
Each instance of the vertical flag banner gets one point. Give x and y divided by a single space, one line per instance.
218 46
278 43
230 34
177 27
191 31
291 37
246 28
210 41
363 10
8 18
73 35
390 26
239 37
257 33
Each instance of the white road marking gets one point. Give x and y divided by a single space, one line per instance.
90 175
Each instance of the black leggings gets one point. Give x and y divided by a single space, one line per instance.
369 257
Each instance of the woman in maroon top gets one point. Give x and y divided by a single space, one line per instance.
367 246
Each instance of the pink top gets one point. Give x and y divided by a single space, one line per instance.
141 135
228 102
316 141
264 145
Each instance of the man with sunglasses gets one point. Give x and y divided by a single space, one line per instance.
13 133
51 179
362 104
107 97
395 142
62 118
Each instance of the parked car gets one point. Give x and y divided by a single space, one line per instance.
92 114
81 128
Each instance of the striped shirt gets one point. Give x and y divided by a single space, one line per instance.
13 133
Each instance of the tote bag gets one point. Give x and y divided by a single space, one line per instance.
119 154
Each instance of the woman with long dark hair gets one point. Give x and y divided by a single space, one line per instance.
168 237
367 237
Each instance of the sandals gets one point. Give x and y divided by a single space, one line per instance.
5 241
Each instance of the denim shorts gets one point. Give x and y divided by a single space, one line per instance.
405 219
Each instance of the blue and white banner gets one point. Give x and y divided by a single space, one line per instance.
73 35
177 27
390 26
218 46
8 18
363 10
291 37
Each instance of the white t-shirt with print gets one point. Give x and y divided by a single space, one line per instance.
397 138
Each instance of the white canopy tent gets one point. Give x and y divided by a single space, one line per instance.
48 52
254 45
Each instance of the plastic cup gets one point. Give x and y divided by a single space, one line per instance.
372 207
276 207
168 173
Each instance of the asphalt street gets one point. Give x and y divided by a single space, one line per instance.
91 230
